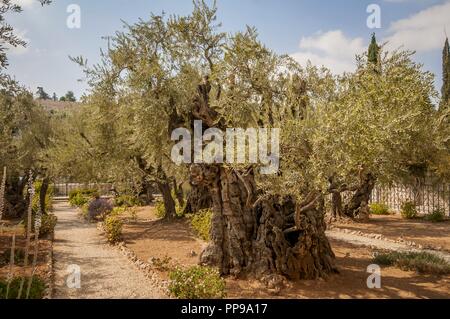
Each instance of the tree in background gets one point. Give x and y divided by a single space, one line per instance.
68 97
445 91
374 52
54 97
41 94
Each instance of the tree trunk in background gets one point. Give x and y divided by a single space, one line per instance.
146 192
169 204
358 205
336 201
42 195
269 239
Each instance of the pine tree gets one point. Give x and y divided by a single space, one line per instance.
445 102
374 51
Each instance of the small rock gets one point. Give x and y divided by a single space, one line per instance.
193 253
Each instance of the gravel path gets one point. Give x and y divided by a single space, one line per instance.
105 272
379 243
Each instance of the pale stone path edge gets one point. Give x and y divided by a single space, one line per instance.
379 243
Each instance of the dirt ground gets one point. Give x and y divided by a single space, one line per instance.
44 247
150 238
394 227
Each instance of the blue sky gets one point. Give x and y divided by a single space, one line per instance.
327 32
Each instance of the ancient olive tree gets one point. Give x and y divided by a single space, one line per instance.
379 126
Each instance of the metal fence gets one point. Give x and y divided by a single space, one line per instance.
63 189
428 197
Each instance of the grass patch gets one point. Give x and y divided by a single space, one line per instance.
422 262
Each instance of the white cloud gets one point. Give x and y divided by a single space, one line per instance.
423 31
332 49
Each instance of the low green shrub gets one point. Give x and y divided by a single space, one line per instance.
160 209
436 216
113 228
379 209
197 282
116 211
421 262
162 264
179 209
127 201
80 197
48 223
36 292
408 210
201 223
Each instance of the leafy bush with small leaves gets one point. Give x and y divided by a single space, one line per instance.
379 209
162 264
36 292
127 201
197 282
80 197
201 223
113 228
88 192
99 208
160 209
179 209
436 216
421 262
408 210
48 223
118 211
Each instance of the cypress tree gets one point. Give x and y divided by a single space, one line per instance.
374 51
445 91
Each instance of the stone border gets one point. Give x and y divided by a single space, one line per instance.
399 240
145 268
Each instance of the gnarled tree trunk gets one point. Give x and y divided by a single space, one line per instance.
266 238
358 206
